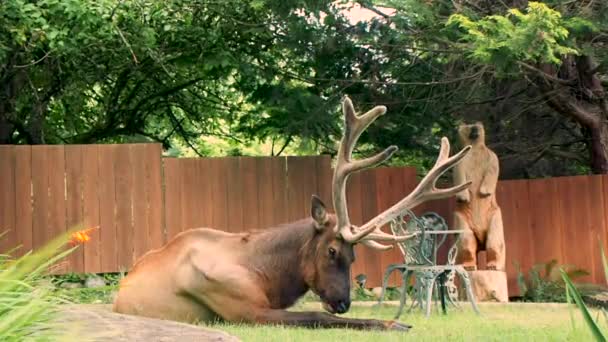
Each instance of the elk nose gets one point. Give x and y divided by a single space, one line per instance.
343 306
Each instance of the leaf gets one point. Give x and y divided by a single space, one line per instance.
549 267
53 34
595 330
570 313
604 260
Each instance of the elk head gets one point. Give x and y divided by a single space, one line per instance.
333 253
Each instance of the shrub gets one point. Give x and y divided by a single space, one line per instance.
544 283
27 303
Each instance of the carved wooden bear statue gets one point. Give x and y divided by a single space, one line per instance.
476 210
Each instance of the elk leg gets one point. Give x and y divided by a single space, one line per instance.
324 320
233 296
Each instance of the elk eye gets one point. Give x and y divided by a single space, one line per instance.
332 252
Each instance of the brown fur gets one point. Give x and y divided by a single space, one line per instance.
477 211
203 274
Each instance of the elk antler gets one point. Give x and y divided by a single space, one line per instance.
369 234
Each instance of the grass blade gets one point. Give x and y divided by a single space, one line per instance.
26 306
604 261
595 330
570 313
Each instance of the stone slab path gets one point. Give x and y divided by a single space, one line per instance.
98 323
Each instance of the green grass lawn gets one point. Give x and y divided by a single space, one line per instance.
510 322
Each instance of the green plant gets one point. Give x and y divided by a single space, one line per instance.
573 292
98 295
71 277
113 279
27 304
544 283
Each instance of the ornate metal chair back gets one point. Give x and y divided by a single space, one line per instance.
420 250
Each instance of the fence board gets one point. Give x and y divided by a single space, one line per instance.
279 190
141 238
188 193
124 200
324 179
40 188
7 199
386 189
249 192
546 223
597 222
197 194
355 212
91 208
219 167
203 188
173 196
154 187
140 199
265 192
573 194
107 198
23 198
55 167
513 197
300 186
604 231
74 202
235 195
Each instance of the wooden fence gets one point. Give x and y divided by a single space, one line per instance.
140 200
45 190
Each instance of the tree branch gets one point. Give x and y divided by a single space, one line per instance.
547 76
181 131
287 142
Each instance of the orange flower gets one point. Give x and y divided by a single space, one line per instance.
81 236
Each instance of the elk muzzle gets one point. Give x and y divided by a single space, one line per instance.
340 306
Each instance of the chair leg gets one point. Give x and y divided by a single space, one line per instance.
390 269
403 299
430 284
467 283
418 296
451 289
442 293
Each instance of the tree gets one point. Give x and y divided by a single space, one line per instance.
557 54
273 72
92 71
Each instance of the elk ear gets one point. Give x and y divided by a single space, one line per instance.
318 212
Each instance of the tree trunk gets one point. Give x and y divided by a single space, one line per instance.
575 90
599 148
6 129
36 124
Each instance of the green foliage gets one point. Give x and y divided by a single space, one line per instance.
112 279
84 295
98 295
539 35
505 322
26 303
571 290
545 284
257 77
573 294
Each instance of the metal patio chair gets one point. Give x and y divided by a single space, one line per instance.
420 261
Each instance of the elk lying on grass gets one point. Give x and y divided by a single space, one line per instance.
205 274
